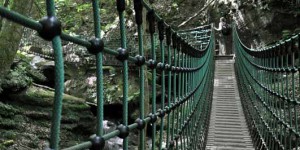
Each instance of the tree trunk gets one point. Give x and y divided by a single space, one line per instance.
5 4
10 35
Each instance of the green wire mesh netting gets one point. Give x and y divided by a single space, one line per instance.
269 88
185 58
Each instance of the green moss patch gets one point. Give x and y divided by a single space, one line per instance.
8 124
7 110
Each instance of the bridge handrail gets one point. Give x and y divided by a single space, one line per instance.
188 105
196 28
268 88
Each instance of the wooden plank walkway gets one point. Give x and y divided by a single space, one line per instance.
228 129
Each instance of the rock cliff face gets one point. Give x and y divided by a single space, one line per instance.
260 22
267 23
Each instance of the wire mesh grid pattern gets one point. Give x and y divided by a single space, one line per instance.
269 88
189 84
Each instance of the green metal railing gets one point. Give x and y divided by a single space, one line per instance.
269 89
188 85
198 37
33 44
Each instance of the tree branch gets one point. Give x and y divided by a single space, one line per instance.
196 14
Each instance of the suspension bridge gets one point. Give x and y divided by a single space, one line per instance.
251 102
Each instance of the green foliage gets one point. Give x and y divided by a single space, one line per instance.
7 143
8 135
8 124
72 14
77 15
17 78
7 110
7 138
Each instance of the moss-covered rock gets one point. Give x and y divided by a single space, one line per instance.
25 120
